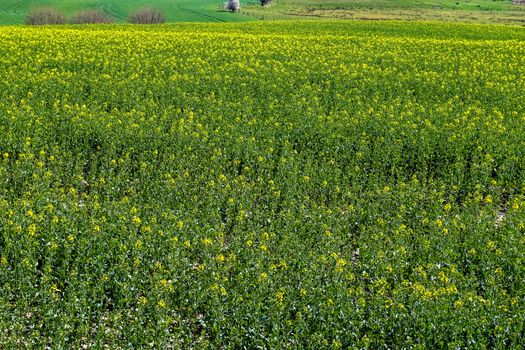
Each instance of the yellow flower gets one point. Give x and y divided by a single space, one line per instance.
136 220
31 230
263 276
279 296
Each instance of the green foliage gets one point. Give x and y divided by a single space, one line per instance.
319 185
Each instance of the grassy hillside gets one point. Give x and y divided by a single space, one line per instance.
14 11
502 11
263 185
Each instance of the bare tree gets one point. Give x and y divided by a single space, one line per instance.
91 16
45 15
147 16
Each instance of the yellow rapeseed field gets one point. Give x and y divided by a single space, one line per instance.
263 185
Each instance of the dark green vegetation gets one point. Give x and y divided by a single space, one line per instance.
306 185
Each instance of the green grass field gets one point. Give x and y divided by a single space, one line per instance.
483 5
491 11
488 11
14 11
262 185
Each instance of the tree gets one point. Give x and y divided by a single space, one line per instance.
90 17
45 15
233 5
147 15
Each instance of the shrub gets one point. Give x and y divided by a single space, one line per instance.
45 15
265 2
91 16
233 5
147 16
